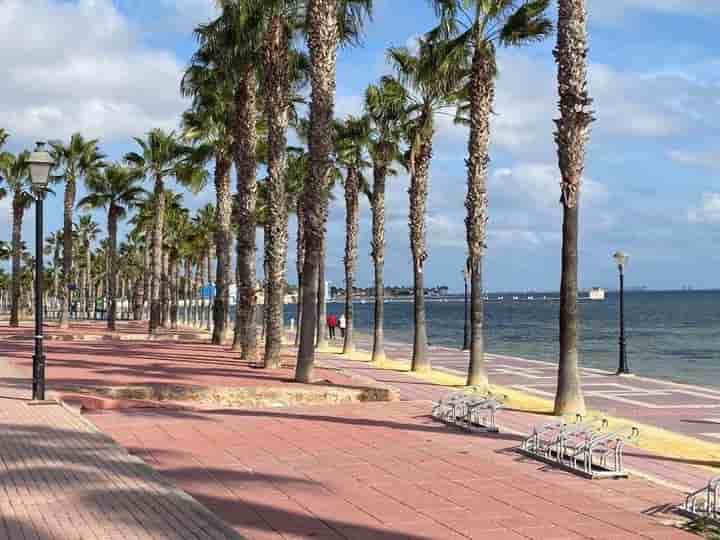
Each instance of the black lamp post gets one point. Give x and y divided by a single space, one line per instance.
466 337
40 163
623 367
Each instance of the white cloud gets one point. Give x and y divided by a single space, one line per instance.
537 185
82 68
708 212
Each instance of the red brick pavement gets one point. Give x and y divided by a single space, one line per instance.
62 479
376 471
381 471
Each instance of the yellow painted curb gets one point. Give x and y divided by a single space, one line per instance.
657 440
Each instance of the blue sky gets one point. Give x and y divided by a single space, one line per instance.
111 69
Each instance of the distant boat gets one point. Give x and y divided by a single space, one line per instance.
596 293
501 298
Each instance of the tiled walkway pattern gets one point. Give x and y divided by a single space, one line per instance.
381 471
61 479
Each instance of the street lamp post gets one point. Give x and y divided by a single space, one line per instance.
466 336
623 367
40 163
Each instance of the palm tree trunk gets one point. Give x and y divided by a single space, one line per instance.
223 242
352 224
88 268
82 290
68 205
210 282
571 137
165 290
322 332
420 170
300 261
156 256
277 100
482 94
378 256
147 271
173 289
17 209
112 269
322 38
246 167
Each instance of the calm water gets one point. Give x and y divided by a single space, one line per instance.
669 334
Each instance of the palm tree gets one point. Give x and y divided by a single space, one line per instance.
179 227
116 189
53 247
204 220
4 136
353 140
475 29
233 40
573 131
15 171
328 22
86 231
279 22
78 159
162 156
209 122
432 87
385 105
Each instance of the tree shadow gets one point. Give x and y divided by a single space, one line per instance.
99 478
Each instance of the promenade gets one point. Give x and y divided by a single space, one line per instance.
382 471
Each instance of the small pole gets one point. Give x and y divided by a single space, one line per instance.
39 357
623 368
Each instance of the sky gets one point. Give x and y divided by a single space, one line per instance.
111 70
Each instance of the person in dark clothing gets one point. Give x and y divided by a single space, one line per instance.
332 324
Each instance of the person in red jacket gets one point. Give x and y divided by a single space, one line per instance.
332 324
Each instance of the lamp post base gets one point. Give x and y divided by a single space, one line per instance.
624 374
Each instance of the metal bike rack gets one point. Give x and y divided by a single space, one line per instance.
703 503
470 411
582 447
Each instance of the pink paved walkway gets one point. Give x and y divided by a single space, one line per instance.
373 471
378 471
62 479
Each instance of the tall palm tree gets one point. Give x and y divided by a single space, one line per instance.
76 160
385 105
234 42
87 231
204 220
476 28
573 132
280 22
116 189
353 140
15 171
433 86
328 23
53 247
162 156
209 122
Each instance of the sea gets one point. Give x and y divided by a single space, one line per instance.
671 335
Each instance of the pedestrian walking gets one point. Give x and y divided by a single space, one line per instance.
332 324
342 323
